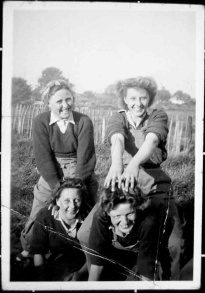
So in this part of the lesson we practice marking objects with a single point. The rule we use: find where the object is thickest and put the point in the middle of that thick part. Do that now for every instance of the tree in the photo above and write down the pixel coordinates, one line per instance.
(36, 94)
(49, 74)
(162, 95)
(182, 96)
(21, 91)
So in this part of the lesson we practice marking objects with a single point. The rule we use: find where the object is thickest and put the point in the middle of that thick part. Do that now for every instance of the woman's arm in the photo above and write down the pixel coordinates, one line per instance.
(38, 260)
(116, 169)
(86, 158)
(43, 152)
(95, 273)
(130, 173)
(39, 267)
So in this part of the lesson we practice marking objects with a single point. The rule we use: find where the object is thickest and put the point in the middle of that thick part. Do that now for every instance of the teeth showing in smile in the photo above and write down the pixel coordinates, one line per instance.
(72, 211)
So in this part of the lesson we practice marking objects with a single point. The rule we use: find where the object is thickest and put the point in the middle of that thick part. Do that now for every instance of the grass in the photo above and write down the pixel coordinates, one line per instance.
(24, 176)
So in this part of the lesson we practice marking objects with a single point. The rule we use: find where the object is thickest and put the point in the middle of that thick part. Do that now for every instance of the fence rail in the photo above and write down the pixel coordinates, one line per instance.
(179, 139)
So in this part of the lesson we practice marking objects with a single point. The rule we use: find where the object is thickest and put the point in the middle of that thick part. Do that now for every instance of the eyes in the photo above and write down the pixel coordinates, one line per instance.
(144, 98)
(67, 100)
(75, 201)
(129, 216)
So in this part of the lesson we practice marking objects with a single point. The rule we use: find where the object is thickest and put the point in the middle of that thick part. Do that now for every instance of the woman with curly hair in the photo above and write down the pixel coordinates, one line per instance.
(54, 243)
(137, 135)
(124, 239)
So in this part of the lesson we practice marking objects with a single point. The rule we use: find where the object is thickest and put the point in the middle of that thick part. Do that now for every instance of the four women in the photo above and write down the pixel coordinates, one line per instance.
(135, 217)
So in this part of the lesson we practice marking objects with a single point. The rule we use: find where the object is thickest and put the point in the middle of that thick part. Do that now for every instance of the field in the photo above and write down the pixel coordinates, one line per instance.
(24, 176)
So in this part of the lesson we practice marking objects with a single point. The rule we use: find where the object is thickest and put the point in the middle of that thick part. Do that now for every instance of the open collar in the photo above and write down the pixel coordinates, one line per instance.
(54, 118)
(73, 229)
(129, 118)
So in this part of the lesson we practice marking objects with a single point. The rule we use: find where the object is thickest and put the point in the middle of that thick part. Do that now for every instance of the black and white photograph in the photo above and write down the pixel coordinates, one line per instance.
(102, 146)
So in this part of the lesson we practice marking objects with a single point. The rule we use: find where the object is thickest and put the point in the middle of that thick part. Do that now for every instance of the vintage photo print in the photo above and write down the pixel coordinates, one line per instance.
(102, 146)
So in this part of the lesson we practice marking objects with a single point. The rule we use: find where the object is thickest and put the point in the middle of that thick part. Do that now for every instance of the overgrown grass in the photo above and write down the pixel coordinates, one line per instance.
(24, 176)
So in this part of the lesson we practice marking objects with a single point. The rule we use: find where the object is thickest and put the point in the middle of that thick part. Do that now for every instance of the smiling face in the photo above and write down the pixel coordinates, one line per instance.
(137, 101)
(123, 218)
(69, 203)
(61, 103)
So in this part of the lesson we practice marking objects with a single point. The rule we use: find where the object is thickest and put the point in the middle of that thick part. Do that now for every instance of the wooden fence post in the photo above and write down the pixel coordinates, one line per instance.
(23, 120)
(103, 130)
(32, 118)
(189, 132)
(169, 137)
(19, 119)
(15, 113)
(175, 134)
(178, 138)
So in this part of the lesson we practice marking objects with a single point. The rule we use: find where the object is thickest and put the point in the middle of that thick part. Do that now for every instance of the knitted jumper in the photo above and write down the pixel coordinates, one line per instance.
(155, 122)
(77, 142)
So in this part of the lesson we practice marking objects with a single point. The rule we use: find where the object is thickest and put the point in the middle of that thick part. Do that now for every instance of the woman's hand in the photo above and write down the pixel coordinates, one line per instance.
(72, 277)
(114, 175)
(130, 175)
(54, 208)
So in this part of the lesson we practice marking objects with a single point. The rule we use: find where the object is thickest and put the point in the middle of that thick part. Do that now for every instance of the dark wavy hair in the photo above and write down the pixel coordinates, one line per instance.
(82, 191)
(146, 83)
(110, 199)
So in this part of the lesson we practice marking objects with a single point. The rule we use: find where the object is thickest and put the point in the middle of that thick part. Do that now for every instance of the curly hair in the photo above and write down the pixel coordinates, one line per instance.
(82, 191)
(52, 87)
(110, 199)
(146, 83)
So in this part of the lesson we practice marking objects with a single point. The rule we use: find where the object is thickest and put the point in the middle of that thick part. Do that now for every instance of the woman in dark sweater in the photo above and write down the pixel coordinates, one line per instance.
(125, 238)
(54, 242)
(63, 142)
(137, 136)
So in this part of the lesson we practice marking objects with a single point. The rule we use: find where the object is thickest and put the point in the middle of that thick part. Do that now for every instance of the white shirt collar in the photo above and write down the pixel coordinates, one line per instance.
(54, 118)
(72, 231)
(129, 118)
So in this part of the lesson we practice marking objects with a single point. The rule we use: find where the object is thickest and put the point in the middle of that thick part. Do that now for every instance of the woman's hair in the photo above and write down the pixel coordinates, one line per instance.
(110, 199)
(73, 183)
(52, 87)
(146, 83)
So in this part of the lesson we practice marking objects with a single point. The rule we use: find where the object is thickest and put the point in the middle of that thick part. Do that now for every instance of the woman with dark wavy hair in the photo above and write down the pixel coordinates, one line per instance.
(125, 238)
(56, 234)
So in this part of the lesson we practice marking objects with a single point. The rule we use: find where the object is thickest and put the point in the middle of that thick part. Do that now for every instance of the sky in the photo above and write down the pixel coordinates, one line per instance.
(94, 46)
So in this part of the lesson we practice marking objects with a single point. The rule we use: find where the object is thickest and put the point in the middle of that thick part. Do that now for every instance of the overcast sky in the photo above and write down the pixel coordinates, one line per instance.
(95, 46)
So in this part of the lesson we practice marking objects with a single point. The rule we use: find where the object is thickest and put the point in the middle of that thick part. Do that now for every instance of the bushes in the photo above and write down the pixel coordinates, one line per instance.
(23, 178)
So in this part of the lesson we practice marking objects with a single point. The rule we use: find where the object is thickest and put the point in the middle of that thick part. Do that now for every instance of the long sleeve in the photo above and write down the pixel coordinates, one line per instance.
(40, 238)
(158, 124)
(99, 241)
(43, 152)
(116, 124)
(86, 158)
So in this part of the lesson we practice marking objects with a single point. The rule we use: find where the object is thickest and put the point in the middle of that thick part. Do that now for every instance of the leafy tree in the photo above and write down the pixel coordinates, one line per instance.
(162, 95)
(49, 74)
(182, 96)
(89, 95)
(36, 94)
(21, 91)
